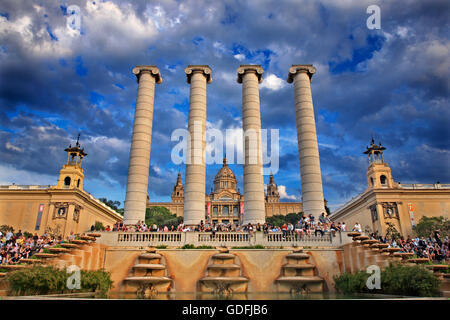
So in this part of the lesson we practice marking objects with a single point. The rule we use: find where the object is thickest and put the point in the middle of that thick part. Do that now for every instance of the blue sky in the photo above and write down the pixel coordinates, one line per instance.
(391, 83)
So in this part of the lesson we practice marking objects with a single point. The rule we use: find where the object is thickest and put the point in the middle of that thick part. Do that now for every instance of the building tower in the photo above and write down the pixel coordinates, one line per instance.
(71, 175)
(272, 191)
(178, 191)
(378, 173)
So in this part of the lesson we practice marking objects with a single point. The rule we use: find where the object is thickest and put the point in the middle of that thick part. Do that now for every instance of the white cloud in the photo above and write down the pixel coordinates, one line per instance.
(239, 56)
(10, 175)
(272, 82)
(283, 193)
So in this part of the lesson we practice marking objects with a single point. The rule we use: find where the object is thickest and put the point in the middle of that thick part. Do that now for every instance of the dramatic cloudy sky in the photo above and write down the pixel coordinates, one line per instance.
(391, 83)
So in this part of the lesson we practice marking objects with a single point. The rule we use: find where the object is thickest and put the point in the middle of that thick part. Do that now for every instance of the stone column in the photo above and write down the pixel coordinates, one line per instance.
(194, 191)
(254, 203)
(311, 178)
(137, 185)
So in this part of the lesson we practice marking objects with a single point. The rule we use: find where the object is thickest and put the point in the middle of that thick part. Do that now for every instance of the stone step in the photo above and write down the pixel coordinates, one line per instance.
(79, 242)
(370, 242)
(31, 261)
(59, 250)
(150, 256)
(69, 245)
(45, 255)
(418, 260)
(150, 279)
(12, 267)
(361, 238)
(152, 266)
(298, 266)
(223, 266)
(301, 279)
(297, 256)
(223, 256)
(87, 238)
(151, 250)
(95, 235)
(354, 234)
(225, 280)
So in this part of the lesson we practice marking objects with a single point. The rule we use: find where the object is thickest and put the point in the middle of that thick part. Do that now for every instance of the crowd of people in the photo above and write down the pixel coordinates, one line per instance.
(306, 225)
(16, 246)
(431, 247)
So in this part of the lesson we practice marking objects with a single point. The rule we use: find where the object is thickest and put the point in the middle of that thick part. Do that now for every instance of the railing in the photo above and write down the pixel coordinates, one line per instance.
(149, 237)
(233, 239)
(419, 186)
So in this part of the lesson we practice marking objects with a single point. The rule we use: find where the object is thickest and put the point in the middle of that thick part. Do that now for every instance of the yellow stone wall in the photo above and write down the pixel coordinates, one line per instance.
(425, 202)
(19, 209)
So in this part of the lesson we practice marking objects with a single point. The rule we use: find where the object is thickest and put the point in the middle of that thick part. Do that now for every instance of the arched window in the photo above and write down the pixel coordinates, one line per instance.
(67, 181)
(383, 179)
(225, 210)
(371, 181)
(78, 183)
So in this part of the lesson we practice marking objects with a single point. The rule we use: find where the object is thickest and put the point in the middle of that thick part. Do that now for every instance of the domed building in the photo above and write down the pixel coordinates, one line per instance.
(225, 203)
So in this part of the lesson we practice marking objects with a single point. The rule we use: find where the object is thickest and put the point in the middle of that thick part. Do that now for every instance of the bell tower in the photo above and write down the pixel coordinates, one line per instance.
(178, 191)
(71, 175)
(378, 173)
(272, 191)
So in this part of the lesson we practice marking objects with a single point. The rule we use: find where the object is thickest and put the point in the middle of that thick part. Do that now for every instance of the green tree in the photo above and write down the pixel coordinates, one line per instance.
(111, 203)
(427, 225)
(279, 220)
(161, 216)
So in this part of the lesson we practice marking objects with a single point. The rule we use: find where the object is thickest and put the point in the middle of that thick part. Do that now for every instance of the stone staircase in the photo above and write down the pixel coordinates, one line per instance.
(223, 275)
(379, 253)
(148, 276)
(76, 252)
(298, 275)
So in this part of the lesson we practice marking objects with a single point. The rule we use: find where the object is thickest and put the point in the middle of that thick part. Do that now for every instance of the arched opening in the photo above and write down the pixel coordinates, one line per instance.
(383, 180)
(371, 181)
(78, 183)
(67, 181)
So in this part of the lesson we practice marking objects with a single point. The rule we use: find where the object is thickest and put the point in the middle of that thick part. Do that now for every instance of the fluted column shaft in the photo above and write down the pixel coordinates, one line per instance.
(311, 178)
(194, 191)
(254, 200)
(138, 169)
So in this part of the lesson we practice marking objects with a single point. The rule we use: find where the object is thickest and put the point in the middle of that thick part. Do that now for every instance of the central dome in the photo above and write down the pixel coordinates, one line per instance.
(225, 178)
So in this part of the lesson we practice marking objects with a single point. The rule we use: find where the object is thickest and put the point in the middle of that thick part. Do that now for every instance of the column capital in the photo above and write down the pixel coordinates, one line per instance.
(152, 70)
(244, 68)
(296, 68)
(206, 70)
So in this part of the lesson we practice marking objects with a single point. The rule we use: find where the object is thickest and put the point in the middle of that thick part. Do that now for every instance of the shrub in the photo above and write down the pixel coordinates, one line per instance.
(191, 246)
(40, 280)
(396, 279)
(98, 226)
(161, 246)
(257, 246)
(5, 229)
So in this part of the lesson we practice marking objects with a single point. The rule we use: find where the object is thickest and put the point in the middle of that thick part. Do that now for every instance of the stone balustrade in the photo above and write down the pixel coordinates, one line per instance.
(229, 239)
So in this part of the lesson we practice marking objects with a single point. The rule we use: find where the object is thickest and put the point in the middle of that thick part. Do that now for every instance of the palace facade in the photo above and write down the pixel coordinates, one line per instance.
(386, 201)
(225, 203)
(59, 209)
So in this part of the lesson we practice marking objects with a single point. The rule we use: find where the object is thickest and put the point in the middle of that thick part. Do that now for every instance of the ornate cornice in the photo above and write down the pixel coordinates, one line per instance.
(296, 68)
(206, 70)
(152, 70)
(244, 68)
